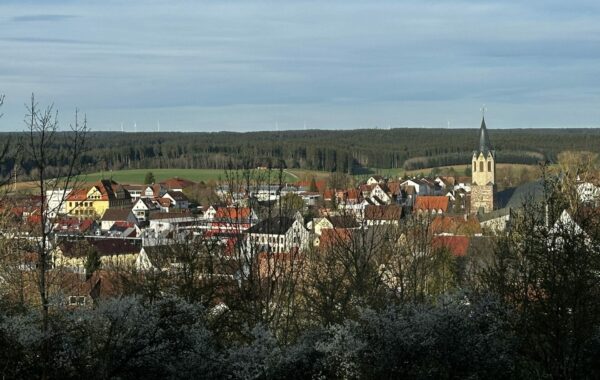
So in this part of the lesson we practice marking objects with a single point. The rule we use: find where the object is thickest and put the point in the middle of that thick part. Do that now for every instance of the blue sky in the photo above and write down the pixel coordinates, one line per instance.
(258, 65)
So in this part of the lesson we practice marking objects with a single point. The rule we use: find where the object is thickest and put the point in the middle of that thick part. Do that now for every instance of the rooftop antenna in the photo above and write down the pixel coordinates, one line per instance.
(483, 109)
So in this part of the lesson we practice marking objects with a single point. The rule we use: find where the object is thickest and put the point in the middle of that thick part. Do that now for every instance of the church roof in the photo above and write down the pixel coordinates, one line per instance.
(484, 139)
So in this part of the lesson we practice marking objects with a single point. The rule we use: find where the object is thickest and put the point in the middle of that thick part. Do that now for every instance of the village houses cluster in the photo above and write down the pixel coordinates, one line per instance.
(127, 224)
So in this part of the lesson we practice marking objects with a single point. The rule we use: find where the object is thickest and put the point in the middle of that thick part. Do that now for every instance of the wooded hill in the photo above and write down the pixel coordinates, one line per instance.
(350, 151)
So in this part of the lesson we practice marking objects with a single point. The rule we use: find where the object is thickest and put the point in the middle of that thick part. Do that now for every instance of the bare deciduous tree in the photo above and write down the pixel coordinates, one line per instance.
(42, 133)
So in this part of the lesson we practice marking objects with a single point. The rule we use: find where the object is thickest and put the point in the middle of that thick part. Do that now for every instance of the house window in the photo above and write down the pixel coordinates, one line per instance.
(76, 300)
(489, 166)
(481, 166)
(474, 166)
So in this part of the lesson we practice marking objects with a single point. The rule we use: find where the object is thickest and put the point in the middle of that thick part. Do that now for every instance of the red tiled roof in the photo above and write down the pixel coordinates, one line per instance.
(456, 225)
(233, 213)
(34, 219)
(394, 187)
(331, 237)
(430, 202)
(353, 194)
(386, 212)
(366, 188)
(165, 202)
(457, 245)
(321, 184)
(73, 224)
(177, 183)
(77, 195)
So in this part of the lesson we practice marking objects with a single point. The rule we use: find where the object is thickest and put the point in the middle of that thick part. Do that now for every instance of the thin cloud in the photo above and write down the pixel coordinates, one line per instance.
(45, 40)
(42, 17)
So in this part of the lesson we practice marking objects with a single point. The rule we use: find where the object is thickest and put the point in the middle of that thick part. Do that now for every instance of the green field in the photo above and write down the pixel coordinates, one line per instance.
(137, 176)
(459, 170)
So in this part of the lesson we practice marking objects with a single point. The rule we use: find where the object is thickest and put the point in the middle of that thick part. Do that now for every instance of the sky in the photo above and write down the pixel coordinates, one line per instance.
(267, 65)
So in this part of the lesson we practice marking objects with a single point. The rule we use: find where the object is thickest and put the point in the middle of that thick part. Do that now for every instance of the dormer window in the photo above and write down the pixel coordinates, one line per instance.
(489, 166)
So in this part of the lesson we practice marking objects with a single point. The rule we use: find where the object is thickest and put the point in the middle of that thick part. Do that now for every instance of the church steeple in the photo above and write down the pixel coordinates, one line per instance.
(484, 139)
(483, 177)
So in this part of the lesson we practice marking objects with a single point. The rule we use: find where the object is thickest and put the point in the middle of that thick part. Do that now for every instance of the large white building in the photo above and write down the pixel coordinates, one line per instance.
(56, 202)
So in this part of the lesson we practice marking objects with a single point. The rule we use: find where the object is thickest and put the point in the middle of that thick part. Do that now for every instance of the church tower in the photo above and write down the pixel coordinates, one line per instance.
(483, 173)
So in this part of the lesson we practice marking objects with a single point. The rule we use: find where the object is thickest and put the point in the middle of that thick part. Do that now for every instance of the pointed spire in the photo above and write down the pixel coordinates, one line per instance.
(484, 139)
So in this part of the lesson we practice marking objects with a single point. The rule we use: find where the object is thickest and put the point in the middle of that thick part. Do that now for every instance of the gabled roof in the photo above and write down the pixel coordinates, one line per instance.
(329, 194)
(455, 225)
(147, 202)
(366, 187)
(177, 195)
(77, 195)
(394, 187)
(104, 247)
(73, 225)
(233, 213)
(107, 247)
(430, 202)
(273, 226)
(353, 194)
(130, 187)
(321, 184)
(457, 245)
(385, 212)
(164, 202)
(115, 214)
(156, 189)
(177, 183)
(331, 237)
(343, 221)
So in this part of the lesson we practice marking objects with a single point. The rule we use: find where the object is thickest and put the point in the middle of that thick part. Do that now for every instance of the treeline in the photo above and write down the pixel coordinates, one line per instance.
(327, 150)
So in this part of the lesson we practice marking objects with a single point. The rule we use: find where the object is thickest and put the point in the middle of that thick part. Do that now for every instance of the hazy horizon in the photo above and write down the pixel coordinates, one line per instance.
(264, 65)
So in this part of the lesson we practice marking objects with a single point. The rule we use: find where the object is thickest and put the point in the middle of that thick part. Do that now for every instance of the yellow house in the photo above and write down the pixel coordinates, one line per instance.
(93, 202)
(113, 253)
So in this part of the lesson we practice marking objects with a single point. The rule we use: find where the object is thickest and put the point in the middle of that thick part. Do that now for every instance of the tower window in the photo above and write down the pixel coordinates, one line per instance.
(489, 166)
(474, 166)
(480, 166)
